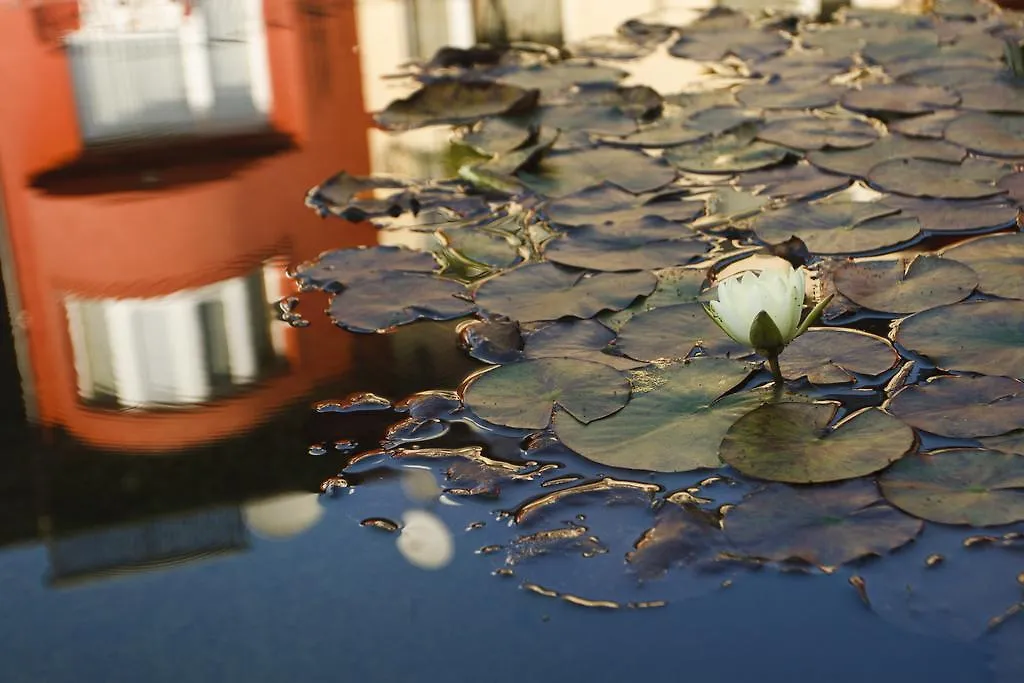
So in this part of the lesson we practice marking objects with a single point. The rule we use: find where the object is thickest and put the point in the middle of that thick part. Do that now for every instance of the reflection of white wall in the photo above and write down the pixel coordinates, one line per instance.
(284, 515)
(188, 347)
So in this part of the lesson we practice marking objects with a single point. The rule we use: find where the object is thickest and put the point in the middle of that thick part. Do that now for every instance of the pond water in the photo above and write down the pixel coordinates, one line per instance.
(172, 502)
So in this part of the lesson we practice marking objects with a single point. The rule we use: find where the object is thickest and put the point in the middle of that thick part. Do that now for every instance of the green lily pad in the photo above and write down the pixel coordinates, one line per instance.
(721, 119)
(334, 268)
(582, 339)
(396, 298)
(823, 526)
(834, 355)
(676, 285)
(673, 332)
(959, 486)
(955, 215)
(563, 173)
(599, 120)
(796, 443)
(735, 151)
(975, 336)
(931, 125)
(673, 422)
(589, 247)
(997, 259)
(789, 95)
(606, 203)
(522, 395)
(998, 97)
(899, 99)
(970, 179)
(454, 101)
(808, 131)
(799, 181)
(895, 286)
(962, 407)
(858, 162)
(544, 291)
(998, 135)
(837, 228)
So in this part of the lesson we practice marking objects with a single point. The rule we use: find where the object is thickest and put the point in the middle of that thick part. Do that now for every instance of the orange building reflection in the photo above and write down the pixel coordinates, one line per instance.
(153, 167)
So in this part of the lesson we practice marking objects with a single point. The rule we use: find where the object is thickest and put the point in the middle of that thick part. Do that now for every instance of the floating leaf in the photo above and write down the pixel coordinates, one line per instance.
(544, 291)
(563, 173)
(455, 102)
(962, 407)
(582, 339)
(833, 355)
(397, 298)
(998, 260)
(1012, 442)
(791, 95)
(807, 131)
(682, 535)
(608, 204)
(927, 126)
(333, 268)
(837, 228)
(747, 44)
(726, 206)
(721, 119)
(674, 332)
(823, 526)
(956, 215)
(999, 97)
(499, 135)
(899, 99)
(588, 247)
(599, 120)
(802, 66)
(959, 486)
(735, 151)
(795, 182)
(796, 443)
(522, 395)
(993, 134)
(858, 162)
(971, 179)
(563, 76)
(894, 286)
(976, 336)
(676, 285)
(673, 422)
(1014, 186)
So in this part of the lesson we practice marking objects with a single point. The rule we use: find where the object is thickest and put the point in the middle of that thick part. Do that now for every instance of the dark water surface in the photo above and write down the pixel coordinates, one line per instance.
(160, 508)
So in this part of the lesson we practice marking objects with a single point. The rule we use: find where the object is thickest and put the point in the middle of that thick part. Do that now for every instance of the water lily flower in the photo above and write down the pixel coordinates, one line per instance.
(763, 310)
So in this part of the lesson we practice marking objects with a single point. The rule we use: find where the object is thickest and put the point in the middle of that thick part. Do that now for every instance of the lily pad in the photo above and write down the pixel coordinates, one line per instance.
(606, 203)
(748, 44)
(926, 126)
(397, 298)
(834, 355)
(682, 535)
(582, 339)
(721, 119)
(858, 162)
(823, 526)
(676, 285)
(837, 228)
(895, 286)
(544, 291)
(796, 443)
(1013, 442)
(563, 76)
(900, 99)
(975, 336)
(595, 119)
(998, 135)
(732, 152)
(799, 181)
(522, 395)
(970, 179)
(959, 486)
(673, 422)
(955, 215)
(962, 407)
(456, 101)
(808, 131)
(500, 135)
(674, 332)
(588, 247)
(726, 205)
(789, 95)
(334, 268)
(997, 259)
(803, 66)
(563, 173)
(998, 97)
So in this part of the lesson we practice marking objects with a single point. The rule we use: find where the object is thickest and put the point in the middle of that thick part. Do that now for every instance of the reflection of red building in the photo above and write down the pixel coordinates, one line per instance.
(149, 218)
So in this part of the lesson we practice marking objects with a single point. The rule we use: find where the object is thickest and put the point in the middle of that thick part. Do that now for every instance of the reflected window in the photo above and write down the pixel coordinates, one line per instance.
(155, 67)
(189, 347)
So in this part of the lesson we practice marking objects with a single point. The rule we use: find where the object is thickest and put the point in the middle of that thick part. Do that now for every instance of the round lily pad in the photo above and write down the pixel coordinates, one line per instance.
(1013, 442)
(807, 131)
(895, 286)
(397, 298)
(795, 182)
(976, 336)
(562, 173)
(672, 423)
(1014, 186)
(955, 215)
(998, 135)
(521, 395)
(959, 486)
(833, 355)
(795, 443)
(582, 339)
(731, 152)
(823, 526)
(931, 125)
(674, 332)
(544, 291)
(999, 97)
(970, 179)
(789, 95)
(552, 79)
(456, 101)
(997, 259)
(962, 407)
(899, 99)
(345, 265)
(837, 228)
(589, 248)
(606, 203)
(748, 44)
(858, 162)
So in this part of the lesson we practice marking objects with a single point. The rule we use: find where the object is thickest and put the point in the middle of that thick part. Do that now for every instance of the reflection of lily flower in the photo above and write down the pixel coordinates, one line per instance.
(762, 310)
(425, 540)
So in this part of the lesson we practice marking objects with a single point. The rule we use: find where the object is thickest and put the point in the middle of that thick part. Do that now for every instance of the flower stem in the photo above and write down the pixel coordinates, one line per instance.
(773, 363)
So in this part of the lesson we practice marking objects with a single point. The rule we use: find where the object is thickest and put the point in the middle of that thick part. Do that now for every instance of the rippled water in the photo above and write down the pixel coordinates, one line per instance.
(161, 514)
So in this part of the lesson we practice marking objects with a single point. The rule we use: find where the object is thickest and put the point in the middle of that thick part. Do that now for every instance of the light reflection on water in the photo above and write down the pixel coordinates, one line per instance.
(177, 409)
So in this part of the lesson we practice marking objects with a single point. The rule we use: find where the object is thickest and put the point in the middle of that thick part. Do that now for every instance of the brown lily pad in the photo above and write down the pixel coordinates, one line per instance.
(962, 407)
(834, 355)
(808, 131)
(455, 101)
(859, 162)
(998, 135)
(895, 286)
(899, 99)
(837, 228)
(970, 179)
(997, 259)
